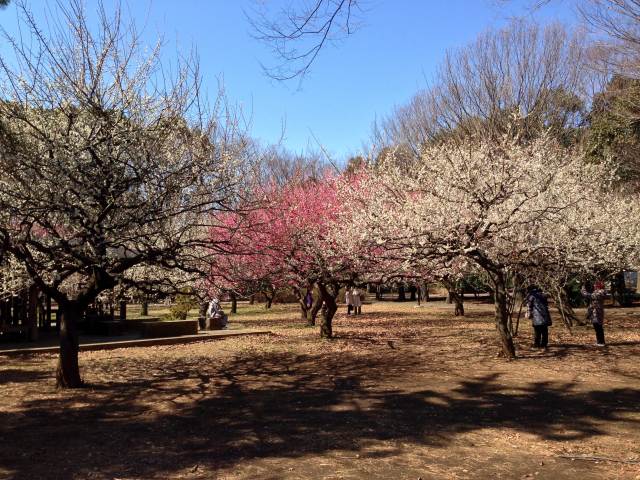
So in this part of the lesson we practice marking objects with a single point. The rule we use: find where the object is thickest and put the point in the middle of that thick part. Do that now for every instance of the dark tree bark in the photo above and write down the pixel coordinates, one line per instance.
(563, 305)
(412, 293)
(315, 308)
(300, 295)
(304, 312)
(202, 315)
(68, 371)
(455, 296)
(458, 301)
(501, 302)
(401, 293)
(269, 295)
(252, 299)
(234, 302)
(329, 294)
(144, 310)
(423, 293)
(123, 310)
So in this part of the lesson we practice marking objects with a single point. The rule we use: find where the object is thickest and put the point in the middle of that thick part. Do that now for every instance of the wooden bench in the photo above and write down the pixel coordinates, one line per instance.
(172, 328)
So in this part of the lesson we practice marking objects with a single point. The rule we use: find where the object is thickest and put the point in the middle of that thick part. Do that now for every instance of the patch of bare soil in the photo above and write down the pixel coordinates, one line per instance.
(400, 393)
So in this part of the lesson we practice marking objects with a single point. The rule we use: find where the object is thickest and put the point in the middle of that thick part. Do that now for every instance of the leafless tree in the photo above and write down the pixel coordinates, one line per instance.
(615, 25)
(282, 166)
(300, 30)
(535, 73)
(109, 163)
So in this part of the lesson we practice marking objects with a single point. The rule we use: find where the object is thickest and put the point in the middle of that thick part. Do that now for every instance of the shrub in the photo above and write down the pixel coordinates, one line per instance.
(184, 302)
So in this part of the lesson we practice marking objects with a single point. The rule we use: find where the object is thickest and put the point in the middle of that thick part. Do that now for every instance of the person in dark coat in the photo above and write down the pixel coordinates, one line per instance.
(594, 295)
(538, 312)
(308, 299)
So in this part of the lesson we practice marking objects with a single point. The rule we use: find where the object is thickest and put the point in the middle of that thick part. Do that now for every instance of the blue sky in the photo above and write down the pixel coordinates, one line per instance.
(389, 58)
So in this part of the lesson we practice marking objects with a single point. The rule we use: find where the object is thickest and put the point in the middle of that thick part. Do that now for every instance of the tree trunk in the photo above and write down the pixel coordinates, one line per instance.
(68, 371)
(458, 300)
(401, 294)
(304, 311)
(123, 310)
(252, 299)
(422, 293)
(378, 292)
(329, 309)
(234, 302)
(565, 310)
(454, 295)
(412, 293)
(144, 310)
(315, 308)
(269, 296)
(502, 316)
(202, 315)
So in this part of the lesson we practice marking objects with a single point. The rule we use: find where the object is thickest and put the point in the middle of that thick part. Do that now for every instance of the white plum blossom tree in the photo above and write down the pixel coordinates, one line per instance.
(508, 206)
(107, 162)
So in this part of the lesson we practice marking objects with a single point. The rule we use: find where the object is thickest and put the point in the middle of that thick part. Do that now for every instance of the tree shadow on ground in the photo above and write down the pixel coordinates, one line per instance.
(613, 350)
(284, 322)
(15, 375)
(180, 413)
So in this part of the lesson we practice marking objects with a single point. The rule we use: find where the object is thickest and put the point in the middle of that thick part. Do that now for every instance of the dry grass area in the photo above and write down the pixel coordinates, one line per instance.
(401, 393)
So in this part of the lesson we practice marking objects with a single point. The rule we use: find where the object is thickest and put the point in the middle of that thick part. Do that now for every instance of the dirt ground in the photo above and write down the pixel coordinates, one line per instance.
(401, 393)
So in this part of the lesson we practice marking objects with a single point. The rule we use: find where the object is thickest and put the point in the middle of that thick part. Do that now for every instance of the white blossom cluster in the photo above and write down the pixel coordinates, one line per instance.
(13, 277)
(534, 208)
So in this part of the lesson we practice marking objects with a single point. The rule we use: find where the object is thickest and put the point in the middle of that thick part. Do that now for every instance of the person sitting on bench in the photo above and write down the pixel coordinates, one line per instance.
(217, 318)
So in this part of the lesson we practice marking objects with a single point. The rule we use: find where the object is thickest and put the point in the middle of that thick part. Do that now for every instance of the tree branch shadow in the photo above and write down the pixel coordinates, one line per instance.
(190, 411)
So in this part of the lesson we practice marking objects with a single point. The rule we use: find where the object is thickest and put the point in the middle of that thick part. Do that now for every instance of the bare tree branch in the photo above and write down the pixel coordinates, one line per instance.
(297, 34)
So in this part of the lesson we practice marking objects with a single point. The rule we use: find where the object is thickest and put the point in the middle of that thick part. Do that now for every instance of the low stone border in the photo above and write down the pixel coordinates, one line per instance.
(142, 342)
(173, 328)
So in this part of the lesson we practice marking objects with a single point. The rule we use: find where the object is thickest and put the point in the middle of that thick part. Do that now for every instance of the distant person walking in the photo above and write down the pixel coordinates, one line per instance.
(594, 295)
(348, 299)
(538, 312)
(357, 301)
(308, 299)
